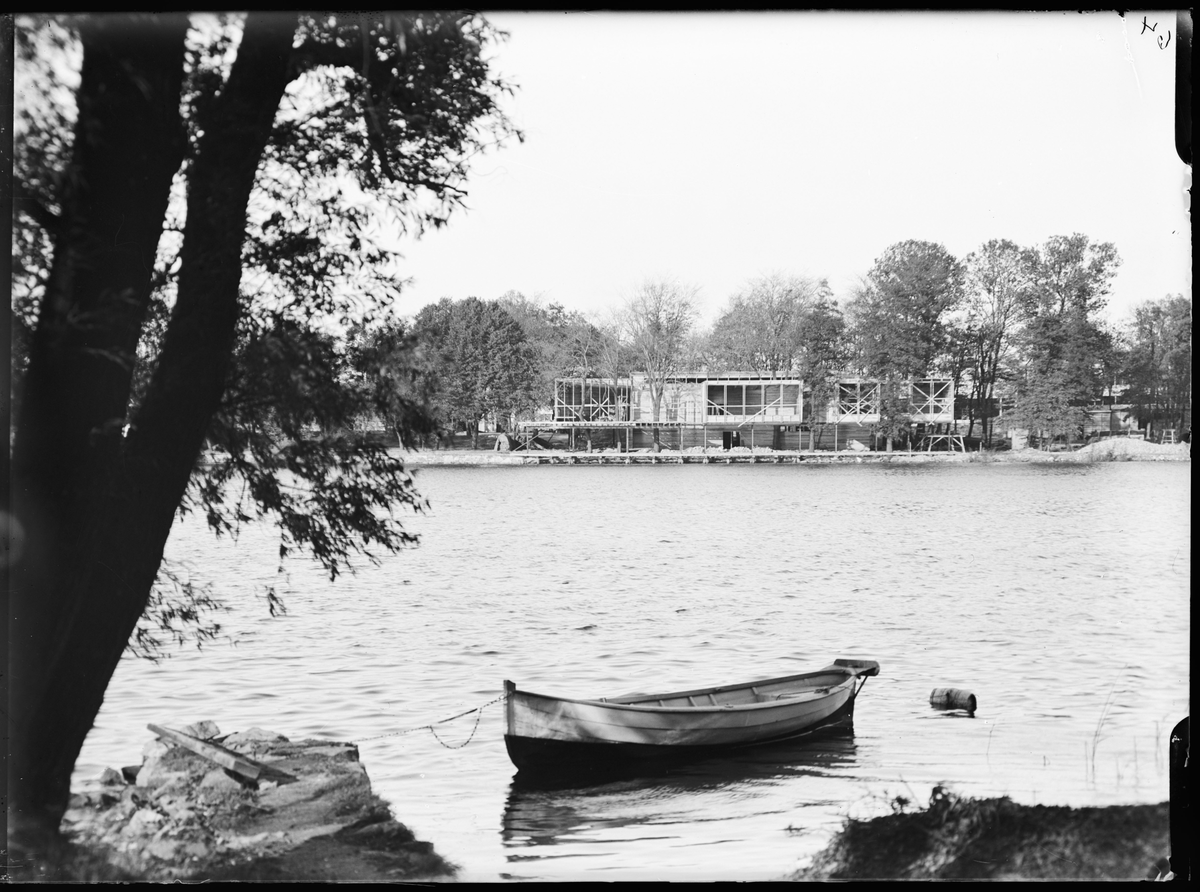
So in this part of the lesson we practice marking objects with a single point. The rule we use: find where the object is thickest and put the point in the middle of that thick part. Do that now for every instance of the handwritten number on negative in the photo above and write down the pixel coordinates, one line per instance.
(1162, 44)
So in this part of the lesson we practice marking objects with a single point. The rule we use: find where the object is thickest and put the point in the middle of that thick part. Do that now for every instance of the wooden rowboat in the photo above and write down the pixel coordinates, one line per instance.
(554, 734)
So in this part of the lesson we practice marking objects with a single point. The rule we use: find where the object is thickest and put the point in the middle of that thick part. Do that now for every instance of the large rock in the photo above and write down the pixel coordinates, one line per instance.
(253, 742)
(313, 817)
(168, 764)
(204, 730)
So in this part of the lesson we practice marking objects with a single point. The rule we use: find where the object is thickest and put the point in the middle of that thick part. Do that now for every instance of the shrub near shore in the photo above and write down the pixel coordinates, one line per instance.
(997, 839)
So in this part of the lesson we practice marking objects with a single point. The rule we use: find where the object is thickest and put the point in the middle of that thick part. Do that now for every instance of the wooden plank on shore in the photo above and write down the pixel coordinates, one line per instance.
(228, 759)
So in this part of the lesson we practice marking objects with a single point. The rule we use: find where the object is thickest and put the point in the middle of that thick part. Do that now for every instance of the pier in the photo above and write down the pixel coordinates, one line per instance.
(714, 458)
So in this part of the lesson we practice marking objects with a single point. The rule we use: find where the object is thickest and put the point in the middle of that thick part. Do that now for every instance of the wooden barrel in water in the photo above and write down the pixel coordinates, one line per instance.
(952, 698)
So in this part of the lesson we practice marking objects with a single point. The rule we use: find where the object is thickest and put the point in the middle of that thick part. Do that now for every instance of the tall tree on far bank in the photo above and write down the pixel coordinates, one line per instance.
(1064, 335)
(563, 342)
(762, 328)
(783, 325)
(583, 348)
(823, 354)
(1157, 363)
(1064, 341)
(483, 364)
(899, 322)
(899, 315)
(997, 282)
(655, 323)
(114, 407)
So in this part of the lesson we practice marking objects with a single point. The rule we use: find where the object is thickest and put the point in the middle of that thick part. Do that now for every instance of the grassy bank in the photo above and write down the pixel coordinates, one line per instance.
(997, 839)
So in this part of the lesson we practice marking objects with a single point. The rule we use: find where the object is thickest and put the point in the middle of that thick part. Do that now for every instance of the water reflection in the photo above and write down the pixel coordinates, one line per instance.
(646, 806)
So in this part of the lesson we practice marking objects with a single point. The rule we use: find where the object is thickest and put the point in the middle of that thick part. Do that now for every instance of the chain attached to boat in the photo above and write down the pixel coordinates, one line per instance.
(478, 710)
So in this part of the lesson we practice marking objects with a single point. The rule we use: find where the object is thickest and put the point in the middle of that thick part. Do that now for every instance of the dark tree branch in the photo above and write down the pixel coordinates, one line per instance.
(189, 379)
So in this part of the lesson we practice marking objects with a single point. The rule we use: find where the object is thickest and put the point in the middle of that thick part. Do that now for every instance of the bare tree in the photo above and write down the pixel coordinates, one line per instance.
(656, 322)
(998, 278)
(763, 326)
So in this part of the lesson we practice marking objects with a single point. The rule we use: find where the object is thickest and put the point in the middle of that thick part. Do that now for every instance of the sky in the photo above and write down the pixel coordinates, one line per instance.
(714, 148)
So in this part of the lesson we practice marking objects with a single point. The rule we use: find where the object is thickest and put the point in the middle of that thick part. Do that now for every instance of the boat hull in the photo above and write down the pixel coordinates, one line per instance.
(552, 734)
(535, 755)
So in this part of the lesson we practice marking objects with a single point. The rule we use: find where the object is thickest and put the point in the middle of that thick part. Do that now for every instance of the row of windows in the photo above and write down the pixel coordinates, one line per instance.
(571, 394)
(924, 397)
(754, 399)
(597, 401)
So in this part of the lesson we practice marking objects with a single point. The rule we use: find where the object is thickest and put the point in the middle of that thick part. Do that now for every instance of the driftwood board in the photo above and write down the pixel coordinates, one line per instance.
(228, 759)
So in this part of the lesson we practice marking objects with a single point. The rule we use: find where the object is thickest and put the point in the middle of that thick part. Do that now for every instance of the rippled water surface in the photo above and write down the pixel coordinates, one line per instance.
(1058, 594)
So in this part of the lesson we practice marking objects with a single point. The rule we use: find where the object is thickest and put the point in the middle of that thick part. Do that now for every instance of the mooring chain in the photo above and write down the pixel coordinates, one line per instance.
(478, 710)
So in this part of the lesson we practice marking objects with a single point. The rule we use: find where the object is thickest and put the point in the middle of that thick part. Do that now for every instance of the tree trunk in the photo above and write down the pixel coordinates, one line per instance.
(97, 506)
(655, 404)
(128, 144)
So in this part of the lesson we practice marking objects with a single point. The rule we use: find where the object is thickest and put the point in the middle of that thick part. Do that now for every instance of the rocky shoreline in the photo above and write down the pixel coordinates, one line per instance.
(180, 816)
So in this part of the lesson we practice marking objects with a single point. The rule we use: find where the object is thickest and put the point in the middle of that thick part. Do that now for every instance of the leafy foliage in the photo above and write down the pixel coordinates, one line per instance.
(895, 411)
(396, 373)
(1063, 338)
(1044, 406)
(765, 327)
(286, 431)
(403, 122)
(227, 202)
(1157, 364)
(43, 115)
(900, 313)
(484, 364)
(563, 343)
(180, 610)
(997, 283)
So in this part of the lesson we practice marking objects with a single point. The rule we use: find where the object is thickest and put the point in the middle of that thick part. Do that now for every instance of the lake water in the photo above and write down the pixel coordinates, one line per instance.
(1057, 593)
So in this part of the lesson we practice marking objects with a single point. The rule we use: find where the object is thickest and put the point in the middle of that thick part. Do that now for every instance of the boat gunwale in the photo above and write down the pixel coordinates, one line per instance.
(616, 703)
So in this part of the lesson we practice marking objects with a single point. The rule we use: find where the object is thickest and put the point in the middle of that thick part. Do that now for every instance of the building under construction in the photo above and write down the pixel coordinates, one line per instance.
(730, 411)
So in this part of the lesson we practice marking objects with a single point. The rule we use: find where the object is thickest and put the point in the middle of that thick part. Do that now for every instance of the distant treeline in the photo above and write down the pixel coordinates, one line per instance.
(1022, 324)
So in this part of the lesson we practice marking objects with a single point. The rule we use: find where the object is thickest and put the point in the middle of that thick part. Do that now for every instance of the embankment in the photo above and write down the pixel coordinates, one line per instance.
(996, 839)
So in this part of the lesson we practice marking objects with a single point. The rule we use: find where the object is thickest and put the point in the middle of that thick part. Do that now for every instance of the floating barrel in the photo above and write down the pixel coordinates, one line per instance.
(952, 698)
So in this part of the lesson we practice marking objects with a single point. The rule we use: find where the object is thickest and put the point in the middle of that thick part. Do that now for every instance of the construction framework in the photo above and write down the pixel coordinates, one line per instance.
(739, 407)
